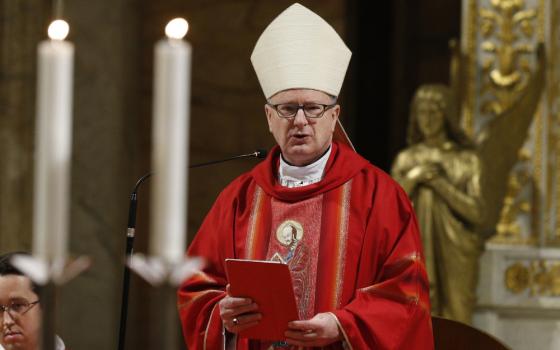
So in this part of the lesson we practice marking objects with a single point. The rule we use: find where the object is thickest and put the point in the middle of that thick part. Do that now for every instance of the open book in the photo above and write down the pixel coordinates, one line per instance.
(269, 284)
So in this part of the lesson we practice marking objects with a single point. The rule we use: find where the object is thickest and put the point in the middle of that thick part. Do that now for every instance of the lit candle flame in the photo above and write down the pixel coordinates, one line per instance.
(58, 30)
(177, 28)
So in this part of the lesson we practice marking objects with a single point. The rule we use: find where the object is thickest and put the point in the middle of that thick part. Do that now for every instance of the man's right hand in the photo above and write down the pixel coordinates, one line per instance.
(238, 314)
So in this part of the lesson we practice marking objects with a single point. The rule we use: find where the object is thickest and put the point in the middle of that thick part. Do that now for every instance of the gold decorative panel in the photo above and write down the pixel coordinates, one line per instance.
(506, 72)
(508, 229)
(537, 277)
(517, 278)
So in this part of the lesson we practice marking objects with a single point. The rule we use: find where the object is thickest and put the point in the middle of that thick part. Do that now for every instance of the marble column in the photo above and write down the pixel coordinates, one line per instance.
(21, 25)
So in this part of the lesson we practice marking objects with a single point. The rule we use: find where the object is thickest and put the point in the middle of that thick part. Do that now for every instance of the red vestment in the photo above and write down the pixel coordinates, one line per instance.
(352, 244)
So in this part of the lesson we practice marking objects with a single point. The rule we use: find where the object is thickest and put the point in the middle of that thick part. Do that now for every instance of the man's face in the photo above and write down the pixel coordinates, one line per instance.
(302, 140)
(19, 331)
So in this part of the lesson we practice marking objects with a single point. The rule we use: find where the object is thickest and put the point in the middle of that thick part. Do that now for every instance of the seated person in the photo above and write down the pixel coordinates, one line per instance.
(20, 309)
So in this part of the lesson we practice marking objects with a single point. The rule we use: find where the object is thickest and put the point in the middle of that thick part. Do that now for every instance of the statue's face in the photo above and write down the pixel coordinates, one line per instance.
(430, 118)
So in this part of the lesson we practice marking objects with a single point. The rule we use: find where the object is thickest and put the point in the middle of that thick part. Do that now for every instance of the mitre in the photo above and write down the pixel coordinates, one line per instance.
(300, 50)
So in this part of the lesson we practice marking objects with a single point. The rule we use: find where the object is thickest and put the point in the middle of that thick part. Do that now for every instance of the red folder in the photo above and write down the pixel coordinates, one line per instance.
(269, 284)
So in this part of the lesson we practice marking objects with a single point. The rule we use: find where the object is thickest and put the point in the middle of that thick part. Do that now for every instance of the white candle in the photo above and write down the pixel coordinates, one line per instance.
(172, 64)
(53, 144)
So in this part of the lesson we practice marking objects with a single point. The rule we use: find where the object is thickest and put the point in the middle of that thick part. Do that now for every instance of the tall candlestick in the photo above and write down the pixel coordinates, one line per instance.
(170, 143)
(53, 144)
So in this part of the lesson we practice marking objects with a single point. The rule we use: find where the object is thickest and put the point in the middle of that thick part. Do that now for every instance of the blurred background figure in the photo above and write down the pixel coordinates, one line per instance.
(20, 309)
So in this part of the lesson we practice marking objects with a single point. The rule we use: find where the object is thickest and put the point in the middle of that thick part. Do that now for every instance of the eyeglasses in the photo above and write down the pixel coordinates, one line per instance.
(16, 309)
(310, 110)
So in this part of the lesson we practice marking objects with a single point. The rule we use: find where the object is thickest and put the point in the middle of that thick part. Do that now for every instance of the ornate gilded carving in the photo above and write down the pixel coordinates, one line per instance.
(508, 229)
(507, 71)
(517, 278)
(507, 27)
(555, 283)
(541, 278)
(538, 277)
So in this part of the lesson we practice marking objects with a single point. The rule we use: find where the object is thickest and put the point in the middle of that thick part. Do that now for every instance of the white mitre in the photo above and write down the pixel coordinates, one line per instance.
(299, 50)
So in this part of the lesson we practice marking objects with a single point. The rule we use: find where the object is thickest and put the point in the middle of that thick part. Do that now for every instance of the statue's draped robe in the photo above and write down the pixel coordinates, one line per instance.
(360, 255)
(447, 225)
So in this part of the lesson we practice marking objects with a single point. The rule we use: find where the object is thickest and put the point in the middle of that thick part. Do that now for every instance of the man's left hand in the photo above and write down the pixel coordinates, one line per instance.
(321, 330)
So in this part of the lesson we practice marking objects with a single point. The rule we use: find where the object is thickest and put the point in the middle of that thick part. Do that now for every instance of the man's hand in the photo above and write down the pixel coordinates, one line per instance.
(238, 313)
(321, 330)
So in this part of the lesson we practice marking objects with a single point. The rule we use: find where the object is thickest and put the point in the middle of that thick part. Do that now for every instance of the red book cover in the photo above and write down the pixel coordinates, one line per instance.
(269, 284)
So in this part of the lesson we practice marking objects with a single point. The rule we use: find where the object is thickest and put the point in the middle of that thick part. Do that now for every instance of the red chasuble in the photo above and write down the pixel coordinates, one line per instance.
(351, 242)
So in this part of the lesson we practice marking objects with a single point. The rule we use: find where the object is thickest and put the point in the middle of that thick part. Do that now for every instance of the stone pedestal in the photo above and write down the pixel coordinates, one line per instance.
(519, 296)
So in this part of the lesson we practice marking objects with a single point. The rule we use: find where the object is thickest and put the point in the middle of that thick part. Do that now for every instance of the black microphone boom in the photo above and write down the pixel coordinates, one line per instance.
(131, 230)
(260, 153)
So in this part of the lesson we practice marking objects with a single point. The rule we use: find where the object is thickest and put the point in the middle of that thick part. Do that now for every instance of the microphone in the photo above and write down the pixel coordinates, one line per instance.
(131, 230)
(260, 154)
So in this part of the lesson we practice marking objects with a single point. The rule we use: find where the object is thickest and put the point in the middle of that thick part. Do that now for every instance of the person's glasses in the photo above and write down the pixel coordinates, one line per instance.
(310, 110)
(17, 308)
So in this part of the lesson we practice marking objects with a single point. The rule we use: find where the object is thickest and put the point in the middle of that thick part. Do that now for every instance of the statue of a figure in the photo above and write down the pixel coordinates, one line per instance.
(458, 187)
(441, 173)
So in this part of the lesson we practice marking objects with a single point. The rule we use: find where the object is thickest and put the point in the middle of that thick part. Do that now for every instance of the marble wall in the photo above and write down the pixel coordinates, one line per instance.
(20, 26)
(104, 154)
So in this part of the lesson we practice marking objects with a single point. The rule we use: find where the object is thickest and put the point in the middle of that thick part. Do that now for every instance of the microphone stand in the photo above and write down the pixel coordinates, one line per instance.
(131, 232)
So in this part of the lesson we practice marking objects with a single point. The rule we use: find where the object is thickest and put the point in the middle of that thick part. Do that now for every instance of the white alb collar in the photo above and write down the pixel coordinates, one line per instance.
(297, 176)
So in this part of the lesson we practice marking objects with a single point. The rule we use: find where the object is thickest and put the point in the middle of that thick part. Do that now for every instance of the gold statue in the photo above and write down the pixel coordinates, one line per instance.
(441, 172)
(456, 205)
